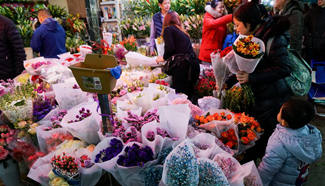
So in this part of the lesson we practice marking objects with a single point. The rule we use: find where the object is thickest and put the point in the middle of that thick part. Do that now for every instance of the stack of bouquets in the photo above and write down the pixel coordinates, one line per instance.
(17, 105)
(239, 99)
(25, 151)
(206, 83)
(35, 65)
(68, 59)
(183, 168)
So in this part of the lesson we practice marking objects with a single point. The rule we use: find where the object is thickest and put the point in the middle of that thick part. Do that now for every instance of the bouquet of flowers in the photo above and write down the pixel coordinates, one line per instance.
(130, 44)
(41, 108)
(210, 173)
(135, 156)
(239, 99)
(193, 25)
(249, 51)
(249, 130)
(206, 83)
(82, 121)
(160, 46)
(66, 166)
(220, 70)
(7, 136)
(181, 158)
(229, 165)
(115, 147)
(26, 126)
(17, 105)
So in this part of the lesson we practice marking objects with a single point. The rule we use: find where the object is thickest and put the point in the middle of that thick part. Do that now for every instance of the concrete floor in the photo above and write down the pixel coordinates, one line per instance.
(317, 170)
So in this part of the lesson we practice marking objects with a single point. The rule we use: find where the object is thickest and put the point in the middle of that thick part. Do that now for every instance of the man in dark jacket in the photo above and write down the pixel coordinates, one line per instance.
(315, 32)
(12, 53)
(49, 38)
(294, 10)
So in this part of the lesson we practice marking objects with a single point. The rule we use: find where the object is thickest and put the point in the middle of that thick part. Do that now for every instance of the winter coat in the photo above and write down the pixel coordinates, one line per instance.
(315, 34)
(267, 81)
(49, 39)
(229, 40)
(12, 53)
(294, 11)
(186, 73)
(213, 34)
(288, 155)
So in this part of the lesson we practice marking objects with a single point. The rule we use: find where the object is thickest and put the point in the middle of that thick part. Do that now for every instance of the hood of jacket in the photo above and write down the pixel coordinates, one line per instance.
(51, 24)
(213, 12)
(304, 143)
(273, 26)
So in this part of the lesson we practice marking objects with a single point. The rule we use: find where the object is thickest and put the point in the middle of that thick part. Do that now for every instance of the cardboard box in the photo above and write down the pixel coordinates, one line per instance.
(94, 75)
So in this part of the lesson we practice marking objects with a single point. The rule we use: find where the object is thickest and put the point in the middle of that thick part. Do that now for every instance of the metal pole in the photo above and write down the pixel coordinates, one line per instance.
(93, 20)
(106, 112)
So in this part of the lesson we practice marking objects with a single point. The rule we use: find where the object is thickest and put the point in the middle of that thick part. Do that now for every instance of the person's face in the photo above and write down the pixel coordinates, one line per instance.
(241, 28)
(279, 4)
(220, 8)
(321, 3)
(165, 6)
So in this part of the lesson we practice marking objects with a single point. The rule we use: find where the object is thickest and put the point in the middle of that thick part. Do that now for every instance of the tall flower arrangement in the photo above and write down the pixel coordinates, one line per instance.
(139, 27)
(193, 25)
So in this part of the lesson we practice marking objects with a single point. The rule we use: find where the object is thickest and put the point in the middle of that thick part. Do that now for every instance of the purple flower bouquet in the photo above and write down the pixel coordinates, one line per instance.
(106, 153)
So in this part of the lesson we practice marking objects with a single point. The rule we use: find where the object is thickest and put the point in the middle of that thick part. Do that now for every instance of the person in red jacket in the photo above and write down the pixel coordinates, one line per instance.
(214, 29)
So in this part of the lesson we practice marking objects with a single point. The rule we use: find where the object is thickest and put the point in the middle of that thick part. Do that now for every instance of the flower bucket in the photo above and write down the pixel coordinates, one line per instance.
(9, 173)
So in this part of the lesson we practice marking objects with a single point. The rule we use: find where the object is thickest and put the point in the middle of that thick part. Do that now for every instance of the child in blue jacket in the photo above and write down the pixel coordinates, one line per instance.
(293, 146)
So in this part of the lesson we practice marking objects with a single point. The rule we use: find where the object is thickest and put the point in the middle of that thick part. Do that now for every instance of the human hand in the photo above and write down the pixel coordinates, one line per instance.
(152, 53)
(160, 59)
(242, 77)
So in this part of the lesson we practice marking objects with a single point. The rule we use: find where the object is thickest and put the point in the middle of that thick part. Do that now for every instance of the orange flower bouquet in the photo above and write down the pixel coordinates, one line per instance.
(130, 43)
(214, 117)
(249, 130)
(249, 50)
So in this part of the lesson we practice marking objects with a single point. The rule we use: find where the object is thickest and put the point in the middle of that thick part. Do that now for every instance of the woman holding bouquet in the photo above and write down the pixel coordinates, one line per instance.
(267, 80)
(214, 29)
(179, 52)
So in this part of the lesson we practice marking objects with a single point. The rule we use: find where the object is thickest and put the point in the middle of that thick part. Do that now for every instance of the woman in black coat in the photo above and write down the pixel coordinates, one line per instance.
(267, 81)
(12, 53)
(178, 47)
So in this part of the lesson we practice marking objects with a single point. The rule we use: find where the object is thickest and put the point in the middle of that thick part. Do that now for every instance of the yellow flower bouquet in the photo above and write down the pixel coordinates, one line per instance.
(249, 50)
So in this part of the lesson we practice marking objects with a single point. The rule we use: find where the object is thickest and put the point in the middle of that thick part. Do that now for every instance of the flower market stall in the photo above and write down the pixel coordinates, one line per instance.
(157, 136)
(56, 130)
